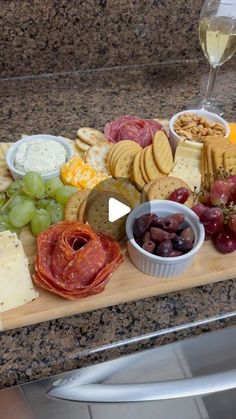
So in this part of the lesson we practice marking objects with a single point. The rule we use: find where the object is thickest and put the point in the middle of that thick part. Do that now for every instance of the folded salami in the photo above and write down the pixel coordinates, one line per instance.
(129, 127)
(73, 261)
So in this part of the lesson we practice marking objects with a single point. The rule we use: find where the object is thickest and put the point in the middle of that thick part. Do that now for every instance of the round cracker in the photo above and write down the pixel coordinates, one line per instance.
(81, 211)
(81, 145)
(97, 215)
(96, 156)
(162, 152)
(5, 179)
(73, 205)
(90, 136)
(162, 188)
(142, 166)
(151, 168)
(118, 153)
(144, 194)
(137, 174)
(123, 166)
(119, 149)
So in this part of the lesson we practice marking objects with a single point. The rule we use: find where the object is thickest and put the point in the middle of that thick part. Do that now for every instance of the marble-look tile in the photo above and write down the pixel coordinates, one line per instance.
(54, 36)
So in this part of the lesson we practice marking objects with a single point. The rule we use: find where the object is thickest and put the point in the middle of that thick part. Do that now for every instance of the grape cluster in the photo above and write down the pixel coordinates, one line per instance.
(30, 200)
(164, 236)
(217, 211)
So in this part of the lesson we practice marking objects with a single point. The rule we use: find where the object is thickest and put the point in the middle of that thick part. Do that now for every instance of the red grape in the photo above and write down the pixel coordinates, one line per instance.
(233, 194)
(225, 241)
(220, 192)
(213, 227)
(232, 223)
(205, 198)
(231, 180)
(211, 214)
(180, 195)
(199, 209)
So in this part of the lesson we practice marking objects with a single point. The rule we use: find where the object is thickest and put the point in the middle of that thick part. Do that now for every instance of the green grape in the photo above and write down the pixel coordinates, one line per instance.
(15, 187)
(2, 199)
(44, 202)
(17, 199)
(52, 185)
(21, 213)
(40, 221)
(63, 193)
(4, 225)
(4, 217)
(33, 185)
(56, 212)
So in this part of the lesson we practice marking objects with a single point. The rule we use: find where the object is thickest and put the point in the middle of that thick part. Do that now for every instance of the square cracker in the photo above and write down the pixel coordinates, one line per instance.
(229, 160)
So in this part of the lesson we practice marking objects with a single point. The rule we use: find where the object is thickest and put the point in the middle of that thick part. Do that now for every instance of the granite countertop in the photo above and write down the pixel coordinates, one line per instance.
(59, 104)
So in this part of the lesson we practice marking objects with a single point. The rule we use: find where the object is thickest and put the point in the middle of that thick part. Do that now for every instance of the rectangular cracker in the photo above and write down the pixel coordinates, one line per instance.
(217, 158)
(229, 160)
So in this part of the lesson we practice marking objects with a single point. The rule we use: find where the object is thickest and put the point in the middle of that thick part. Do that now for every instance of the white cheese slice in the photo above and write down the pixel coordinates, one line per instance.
(14, 248)
(193, 156)
(184, 170)
(16, 287)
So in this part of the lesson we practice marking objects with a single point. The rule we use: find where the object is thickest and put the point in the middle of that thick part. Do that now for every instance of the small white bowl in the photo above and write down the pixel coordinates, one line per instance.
(156, 265)
(10, 157)
(212, 117)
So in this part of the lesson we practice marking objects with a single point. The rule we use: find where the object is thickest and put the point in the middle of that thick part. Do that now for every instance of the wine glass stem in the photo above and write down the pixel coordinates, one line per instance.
(211, 83)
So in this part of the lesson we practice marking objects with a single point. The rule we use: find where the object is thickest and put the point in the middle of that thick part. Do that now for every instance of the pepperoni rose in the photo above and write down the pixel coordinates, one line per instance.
(132, 128)
(73, 261)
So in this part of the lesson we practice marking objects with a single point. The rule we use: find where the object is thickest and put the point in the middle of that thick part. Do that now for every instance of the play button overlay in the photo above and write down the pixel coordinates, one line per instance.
(116, 209)
(109, 203)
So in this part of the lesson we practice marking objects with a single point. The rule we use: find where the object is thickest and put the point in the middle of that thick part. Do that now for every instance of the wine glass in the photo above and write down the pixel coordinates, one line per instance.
(217, 33)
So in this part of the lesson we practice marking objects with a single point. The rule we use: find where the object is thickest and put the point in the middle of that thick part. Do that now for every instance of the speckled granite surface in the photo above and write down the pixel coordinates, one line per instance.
(59, 105)
(52, 36)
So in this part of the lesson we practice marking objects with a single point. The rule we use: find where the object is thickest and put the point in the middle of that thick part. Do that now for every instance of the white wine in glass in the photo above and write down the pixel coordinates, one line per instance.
(217, 33)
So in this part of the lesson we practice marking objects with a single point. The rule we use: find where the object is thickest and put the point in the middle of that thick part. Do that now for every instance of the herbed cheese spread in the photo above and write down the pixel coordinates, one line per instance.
(42, 156)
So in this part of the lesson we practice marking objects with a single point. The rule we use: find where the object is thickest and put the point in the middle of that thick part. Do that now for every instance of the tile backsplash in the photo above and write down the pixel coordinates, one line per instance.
(48, 36)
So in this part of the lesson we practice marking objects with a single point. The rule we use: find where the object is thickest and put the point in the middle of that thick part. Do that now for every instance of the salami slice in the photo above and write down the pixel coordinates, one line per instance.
(129, 127)
(73, 261)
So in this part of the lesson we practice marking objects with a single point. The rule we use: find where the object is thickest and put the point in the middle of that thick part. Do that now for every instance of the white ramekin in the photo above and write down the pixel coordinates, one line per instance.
(174, 138)
(156, 265)
(10, 157)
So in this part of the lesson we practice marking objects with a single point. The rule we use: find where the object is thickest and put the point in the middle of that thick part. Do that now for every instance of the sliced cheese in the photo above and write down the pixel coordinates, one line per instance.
(11, 249)
(16, 287)
(194, 156)
(184, 170)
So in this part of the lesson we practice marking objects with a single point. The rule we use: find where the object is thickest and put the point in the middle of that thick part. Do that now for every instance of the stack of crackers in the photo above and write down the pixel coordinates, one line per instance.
(154, 161)
(218, 157)
(129, 160)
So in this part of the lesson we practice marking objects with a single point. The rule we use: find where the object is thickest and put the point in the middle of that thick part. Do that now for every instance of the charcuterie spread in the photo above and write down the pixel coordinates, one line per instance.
(191, 162)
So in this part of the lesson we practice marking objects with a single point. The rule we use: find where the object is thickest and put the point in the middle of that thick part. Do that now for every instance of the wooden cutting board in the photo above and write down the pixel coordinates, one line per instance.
(126, 284)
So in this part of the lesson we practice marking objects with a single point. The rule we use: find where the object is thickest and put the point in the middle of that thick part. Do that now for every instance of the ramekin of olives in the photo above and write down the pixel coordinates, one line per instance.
(163, 237)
